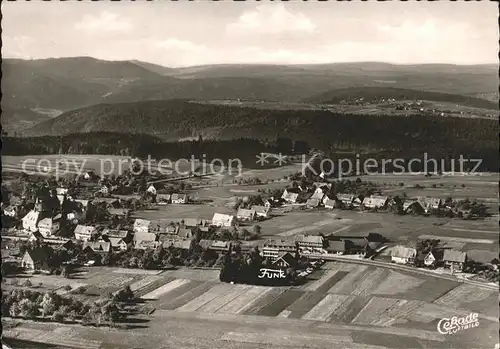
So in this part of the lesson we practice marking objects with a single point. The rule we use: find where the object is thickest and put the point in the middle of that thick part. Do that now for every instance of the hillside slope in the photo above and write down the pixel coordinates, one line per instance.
(373, 93)
(176, 119)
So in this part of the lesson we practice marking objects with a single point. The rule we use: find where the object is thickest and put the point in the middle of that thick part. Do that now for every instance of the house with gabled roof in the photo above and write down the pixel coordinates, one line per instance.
(285, 260)
(273, 247)
(403, 255)
(142, 226)
(183, 244)
(116, 233)
(261, 211)
(11, 211)
(375, 202)
(309, 241)
(454, 259)
(223, 220)
(412, 207)
(290, 195)
(36, 259)
(185, 233)
(163, 199)
(329, 203)
(220, 246)
(244, 214)
(118, 243)
(346, 199)
(85, 232)
(151, 189)
(312, 203)
(319, 193)
(179, 198)
(429, 203)
(48, 227)
(100, 247)
(30, 221)
(336, 247)
(205, 243)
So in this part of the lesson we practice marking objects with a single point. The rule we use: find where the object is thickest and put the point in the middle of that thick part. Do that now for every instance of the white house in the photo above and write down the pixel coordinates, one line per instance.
(375, 202)
(312, 203)
(346, 199)
(48, 227)
(223, 220)
(89, 175)
(429, 204)
(179, 198)
(290, 196)
(163, 199)
(118, 243)
(429, 259)
(85, 232)
(309, 241)
(403, 255)
(329, 203)
(30, 221)
(245, 214)
(151, 189)
(104, 190)
(61, 191)
(10, 211)
(318, 194)
(455, 260)
(261, 211)
(142, 226)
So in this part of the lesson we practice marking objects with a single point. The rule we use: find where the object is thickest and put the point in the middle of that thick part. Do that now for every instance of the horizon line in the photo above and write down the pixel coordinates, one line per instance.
(251, 63)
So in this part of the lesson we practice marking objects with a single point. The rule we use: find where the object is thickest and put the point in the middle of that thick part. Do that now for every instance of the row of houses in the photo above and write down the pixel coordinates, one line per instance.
(449, 258)
(343, 200)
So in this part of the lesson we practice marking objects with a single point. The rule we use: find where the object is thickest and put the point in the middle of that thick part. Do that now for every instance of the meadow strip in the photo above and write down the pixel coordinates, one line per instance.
(325, 307)
(371, 312)
(346, 284)
(296, 340)
(188, 295)
(324, 278)
(165, 288)
(397, 283)
(464, 294)
(216, 291)
(219, 302)
(240, 303)
(305, 303)
(262, 301)
(279, 304)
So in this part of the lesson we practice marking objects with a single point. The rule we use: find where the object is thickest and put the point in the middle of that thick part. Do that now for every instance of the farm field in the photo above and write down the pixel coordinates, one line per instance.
(347, 306)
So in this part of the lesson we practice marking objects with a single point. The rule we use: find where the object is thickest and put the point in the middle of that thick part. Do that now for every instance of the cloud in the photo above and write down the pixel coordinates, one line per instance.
(429, 31)
(17, 46)
(182, 45)
(105, 22)
(271, 19)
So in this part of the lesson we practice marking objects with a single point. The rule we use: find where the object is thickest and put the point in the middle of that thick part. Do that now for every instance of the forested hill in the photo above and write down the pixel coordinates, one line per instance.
(370, 93)
(177, 119)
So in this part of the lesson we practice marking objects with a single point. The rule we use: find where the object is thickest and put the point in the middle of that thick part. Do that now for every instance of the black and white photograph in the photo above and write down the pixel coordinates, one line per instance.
(250, 174)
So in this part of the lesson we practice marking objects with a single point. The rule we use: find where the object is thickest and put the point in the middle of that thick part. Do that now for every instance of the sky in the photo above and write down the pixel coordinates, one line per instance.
(178, 34)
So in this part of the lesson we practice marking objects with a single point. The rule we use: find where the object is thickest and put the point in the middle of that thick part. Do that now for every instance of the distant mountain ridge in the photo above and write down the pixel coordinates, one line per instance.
(75, 82)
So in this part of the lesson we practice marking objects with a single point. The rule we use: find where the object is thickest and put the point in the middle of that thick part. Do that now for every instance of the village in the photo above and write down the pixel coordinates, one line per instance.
(88, 221)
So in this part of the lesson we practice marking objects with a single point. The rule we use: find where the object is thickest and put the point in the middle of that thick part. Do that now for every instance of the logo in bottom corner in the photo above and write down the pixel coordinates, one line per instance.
(456, 324)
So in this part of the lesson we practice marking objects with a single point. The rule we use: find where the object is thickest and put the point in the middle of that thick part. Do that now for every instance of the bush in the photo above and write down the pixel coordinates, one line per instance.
(58, 316)
(27, 283)
(80, 290)
(67, 288)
